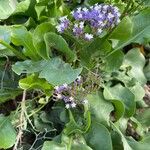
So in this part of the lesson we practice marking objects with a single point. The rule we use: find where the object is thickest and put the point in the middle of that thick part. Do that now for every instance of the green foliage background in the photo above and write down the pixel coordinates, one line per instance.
(34, 58)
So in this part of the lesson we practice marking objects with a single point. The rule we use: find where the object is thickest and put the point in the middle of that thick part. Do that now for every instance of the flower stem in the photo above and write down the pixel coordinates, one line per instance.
(16, 52)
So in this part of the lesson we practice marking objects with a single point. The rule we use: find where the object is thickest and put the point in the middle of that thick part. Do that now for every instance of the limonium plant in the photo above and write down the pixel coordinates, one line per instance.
(75, 74)
(99, 18)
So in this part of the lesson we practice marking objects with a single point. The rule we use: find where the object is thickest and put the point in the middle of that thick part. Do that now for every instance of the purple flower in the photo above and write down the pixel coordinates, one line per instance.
(78, 28)
(64, 24)
(99, 17)
(88, 36)
(60, 89)
(78, 81)
(81, 13)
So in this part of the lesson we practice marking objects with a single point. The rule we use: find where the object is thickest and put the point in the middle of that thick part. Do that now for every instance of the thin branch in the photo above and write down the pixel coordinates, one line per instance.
(22, 121)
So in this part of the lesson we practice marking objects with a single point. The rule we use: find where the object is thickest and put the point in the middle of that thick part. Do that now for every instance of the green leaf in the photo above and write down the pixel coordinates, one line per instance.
(21, 37)
(58, 72)
(42, 123)
(141, 145)
(76, 142)
(28, 66)
(136, 60)
(118, 92)
(98, 47)
(49, 70)
(7, 94)
(141, 29)
(73, 127)
(116, 141)
(56, 41)
(139, 93)
(123, 139)
(118, 104)
(79, 143)
(123, 31)
(146, 2)
(7, 133)
(5, 33)
(26, 8)
(33, 82)
(98, 137)
(144, 117)
(113, 61)
(147, 71)
(51, 145)
(99, 107)
(7, 7)
(38, 40)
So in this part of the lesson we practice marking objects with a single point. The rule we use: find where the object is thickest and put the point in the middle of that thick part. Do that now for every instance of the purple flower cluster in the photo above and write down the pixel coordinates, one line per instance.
(99, 17)
(70, 93)
(59, 94)
(64, 92)
(64, 24)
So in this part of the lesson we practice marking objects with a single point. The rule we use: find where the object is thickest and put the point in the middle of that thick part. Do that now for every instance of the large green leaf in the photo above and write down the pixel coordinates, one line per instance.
(141, 29)
(26, 8)
(5, 36)
(99, 107)
(7, 133)
(7, 7)
(5, 33)
(118, 104)
(55, 71)
(141, 145)
(98, 47)
(113, 61)
(136, 60)
(38, 39)
(98, 137)
(126, 145)
(76, 142)
(123, 31)
(33, 82)
(58, 42)
(28, 66)
(144, 117)
(123, 94)
(139, 93)
(21, 37)
(58, 72)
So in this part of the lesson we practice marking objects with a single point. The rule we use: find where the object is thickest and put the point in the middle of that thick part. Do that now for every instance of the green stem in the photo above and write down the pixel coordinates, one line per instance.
(126, 9)
(70, 143)
(16, 52)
